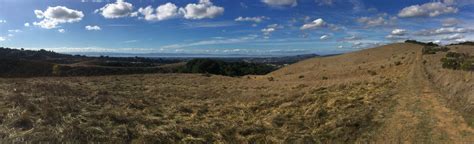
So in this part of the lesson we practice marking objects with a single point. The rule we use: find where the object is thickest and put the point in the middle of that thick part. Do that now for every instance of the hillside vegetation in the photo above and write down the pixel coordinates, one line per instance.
(218, 67)
(388, 94)
(29, 63)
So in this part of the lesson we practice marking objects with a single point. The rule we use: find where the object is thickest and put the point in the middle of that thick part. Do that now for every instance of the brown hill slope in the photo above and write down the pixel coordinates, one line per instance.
(381, 94)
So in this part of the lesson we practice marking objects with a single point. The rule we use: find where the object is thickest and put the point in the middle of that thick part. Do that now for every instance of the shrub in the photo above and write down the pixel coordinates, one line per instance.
(398, 63)
(434, 49)
(458, 61)
(324, 78)
(468, 65)
(421, 43)
(372, 72)
(270, 79)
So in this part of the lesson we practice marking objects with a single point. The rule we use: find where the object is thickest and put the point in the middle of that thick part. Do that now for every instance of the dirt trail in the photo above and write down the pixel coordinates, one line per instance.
(419, 116)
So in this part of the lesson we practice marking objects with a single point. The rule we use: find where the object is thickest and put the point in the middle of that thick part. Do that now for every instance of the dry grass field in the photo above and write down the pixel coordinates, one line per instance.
(384, 94)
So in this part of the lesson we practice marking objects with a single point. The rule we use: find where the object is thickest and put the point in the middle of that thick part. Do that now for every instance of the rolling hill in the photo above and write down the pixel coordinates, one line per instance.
(393, 93)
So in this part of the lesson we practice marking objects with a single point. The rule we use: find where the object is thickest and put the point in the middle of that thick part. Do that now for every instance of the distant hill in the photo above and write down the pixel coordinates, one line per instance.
(8, 53)
(31, 63)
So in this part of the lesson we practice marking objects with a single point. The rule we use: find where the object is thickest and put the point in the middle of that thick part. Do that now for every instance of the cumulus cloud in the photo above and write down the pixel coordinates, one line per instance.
(93, 28)
(252, 19)
(431, 9)
(270, 29)
(118, 9)
(324, 37)
(203, 9)
(398, 32)
(61, 30)
(53, 16)
(162, 12)
(380, 20)
(280, 3)
(318, 23)
(27, 24)
(3, 21)
(395, 37)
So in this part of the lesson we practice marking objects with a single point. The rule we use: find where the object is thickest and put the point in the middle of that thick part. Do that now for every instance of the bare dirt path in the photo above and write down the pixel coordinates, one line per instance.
(420, 116)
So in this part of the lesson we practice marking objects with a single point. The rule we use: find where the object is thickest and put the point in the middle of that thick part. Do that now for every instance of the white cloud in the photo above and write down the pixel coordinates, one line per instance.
(268, 30)
(431, 9)
(376, 21)
(2, 39)
(449, 22)
(443, 30)
(61, 30)
(324, 37)
(162, 12)
(398, 32)
(118, 9)
(459, 2)
(395, 37)
(3, 21)
(203, 9)
(252, 19)
(314, 24)
(280, 3)
(453, 37)
(27, 24)
(14, 31)
(53, 16)
(93, 28)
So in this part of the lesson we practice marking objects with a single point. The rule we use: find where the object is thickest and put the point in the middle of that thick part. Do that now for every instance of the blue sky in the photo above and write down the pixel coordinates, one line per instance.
(251, 27)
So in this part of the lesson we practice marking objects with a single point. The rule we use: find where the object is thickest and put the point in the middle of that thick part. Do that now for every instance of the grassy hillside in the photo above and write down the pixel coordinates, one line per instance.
(379, 95)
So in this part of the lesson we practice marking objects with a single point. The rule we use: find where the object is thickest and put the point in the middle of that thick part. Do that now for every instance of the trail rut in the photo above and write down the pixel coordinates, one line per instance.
(421, 116)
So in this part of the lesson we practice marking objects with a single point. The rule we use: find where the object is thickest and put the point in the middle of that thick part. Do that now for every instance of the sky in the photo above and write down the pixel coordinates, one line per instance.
(230, 27)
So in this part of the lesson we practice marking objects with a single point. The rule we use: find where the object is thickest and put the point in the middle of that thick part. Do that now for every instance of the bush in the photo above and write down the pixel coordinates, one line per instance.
(421, 43)
(398, 63)
(324, 78)
(434, 49)
(458, 61)
(372, 73)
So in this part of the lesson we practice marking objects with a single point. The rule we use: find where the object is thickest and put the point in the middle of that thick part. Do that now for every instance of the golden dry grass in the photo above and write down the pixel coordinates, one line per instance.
(341, 99)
